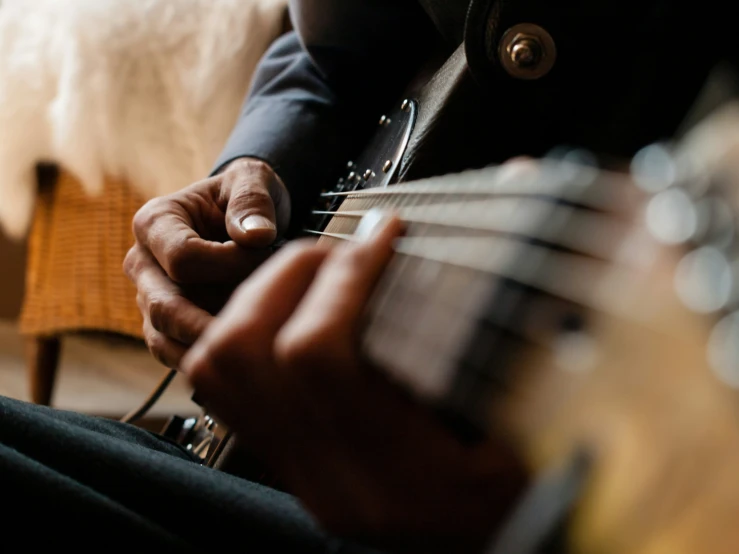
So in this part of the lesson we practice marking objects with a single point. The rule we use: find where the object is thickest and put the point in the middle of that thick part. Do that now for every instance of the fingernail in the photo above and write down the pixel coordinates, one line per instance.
(371, 223)
(254, 222)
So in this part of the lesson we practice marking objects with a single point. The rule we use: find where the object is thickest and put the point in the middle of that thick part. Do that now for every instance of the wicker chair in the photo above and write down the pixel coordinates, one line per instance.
(74, 277)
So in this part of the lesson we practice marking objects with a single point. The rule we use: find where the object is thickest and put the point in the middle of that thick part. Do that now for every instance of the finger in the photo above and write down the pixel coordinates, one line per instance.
(162, 304)
(271, 295)
(517, 168)
(257, 311)
(168, 352)
(171, 313)
(257, 201)
(326, 322)
(166, 229)
(518, 159)
(232, 366)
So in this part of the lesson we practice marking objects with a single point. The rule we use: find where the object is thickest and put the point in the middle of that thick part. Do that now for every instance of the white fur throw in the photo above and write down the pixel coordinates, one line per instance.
(143, 90)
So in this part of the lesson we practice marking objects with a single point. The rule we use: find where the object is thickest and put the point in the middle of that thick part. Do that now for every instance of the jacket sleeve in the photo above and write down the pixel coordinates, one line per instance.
(318, 91)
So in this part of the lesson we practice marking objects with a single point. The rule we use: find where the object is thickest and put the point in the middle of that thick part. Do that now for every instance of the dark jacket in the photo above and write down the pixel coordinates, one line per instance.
(626, 74)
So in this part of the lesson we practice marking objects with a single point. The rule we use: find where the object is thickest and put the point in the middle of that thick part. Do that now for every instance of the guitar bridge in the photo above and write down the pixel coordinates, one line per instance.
(199, 435)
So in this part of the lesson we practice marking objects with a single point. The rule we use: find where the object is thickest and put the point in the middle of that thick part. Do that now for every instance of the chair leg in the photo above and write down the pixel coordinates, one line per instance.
(42, 359)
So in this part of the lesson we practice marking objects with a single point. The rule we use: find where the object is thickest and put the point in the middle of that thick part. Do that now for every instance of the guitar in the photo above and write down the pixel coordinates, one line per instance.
(586, 315)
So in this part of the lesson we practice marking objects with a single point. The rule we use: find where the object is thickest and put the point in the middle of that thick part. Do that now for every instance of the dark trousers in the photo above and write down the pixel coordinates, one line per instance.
(69, 480)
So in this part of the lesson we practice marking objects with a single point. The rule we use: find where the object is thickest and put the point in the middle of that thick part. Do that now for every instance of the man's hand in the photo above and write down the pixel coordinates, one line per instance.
(281, 366)
(194, 246)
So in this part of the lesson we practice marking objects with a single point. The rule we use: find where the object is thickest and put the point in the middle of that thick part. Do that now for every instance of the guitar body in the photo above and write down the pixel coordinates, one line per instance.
(660, 427)
(606, 347)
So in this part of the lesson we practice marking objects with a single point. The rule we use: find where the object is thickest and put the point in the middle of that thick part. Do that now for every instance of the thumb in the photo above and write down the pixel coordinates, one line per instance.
(254, 197)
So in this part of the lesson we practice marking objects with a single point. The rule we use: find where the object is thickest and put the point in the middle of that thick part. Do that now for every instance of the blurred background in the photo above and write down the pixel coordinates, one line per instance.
(104, 104)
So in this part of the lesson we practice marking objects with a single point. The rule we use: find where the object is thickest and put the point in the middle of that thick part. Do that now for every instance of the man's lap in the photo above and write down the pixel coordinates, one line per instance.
(78, 478)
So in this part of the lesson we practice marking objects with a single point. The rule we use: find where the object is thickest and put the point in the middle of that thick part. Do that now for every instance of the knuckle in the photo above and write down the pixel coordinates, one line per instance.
(156, 345)
(161, 310)
(146, 215)
(163, 357)
(252, 196)
(305, 348)
(255, 168)
(130, 262)
(177, 261)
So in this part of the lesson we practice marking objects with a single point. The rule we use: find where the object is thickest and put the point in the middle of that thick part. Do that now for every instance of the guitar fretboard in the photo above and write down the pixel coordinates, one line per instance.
(480, 247)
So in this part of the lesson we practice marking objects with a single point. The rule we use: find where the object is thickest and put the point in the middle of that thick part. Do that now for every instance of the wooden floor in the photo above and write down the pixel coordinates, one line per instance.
(106, 377)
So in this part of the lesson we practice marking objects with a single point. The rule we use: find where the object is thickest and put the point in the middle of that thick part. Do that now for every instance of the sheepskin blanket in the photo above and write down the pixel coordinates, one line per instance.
(141, 90)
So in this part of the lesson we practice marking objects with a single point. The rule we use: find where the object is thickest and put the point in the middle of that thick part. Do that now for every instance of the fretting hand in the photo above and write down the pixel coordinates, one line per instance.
(281, 366)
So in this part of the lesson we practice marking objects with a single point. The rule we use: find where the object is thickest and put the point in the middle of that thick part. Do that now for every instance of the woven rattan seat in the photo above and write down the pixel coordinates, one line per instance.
(74, 276)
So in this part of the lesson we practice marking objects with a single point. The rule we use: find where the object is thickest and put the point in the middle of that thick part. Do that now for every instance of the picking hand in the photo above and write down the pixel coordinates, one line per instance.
(195, 246)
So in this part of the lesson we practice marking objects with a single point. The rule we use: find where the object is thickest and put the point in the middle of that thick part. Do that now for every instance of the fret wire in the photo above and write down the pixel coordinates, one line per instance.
(440, 206)
(435, 304)
(400, 303)
(389, 295)
(523, 328)
(425, 264)
(475, 329)
(421, 345)
(385, 299)
(542, 279)
(503, 324)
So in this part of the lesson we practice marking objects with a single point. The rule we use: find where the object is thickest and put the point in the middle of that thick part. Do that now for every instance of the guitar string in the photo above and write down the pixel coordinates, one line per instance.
(433, 307)
(591, 233)
(398, 277)
(424, 347)
(387, 299)
(610, 193)
(357, 204)
(570, 289)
